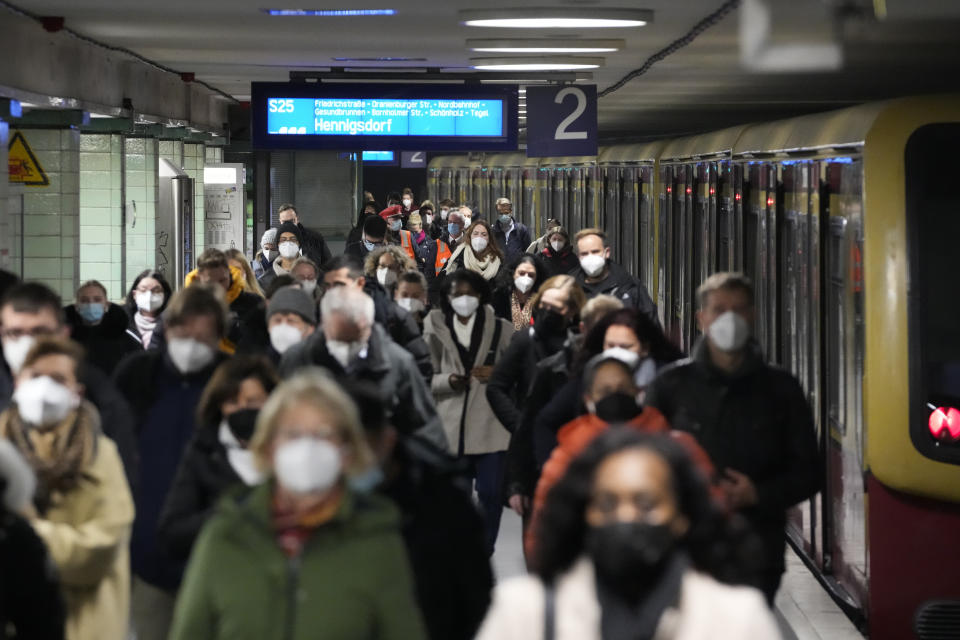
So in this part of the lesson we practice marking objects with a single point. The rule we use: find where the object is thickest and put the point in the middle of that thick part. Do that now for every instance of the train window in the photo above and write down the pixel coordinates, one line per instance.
(933, 223)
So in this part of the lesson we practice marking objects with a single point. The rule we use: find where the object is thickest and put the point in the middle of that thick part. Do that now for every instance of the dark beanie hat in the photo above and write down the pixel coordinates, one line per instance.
(375, 227)
(289, 227)
(293, 300)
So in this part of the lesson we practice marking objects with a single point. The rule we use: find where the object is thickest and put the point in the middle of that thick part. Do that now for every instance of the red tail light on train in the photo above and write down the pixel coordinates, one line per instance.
(945, 423)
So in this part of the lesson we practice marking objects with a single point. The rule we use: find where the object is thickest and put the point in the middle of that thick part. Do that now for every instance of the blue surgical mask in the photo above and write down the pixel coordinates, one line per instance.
(91, 312)
(453, 228)
(370, 246)
(395, 225)
(505, 220)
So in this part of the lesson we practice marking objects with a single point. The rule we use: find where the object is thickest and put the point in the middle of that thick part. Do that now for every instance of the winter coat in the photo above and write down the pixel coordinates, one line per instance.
(86, 531)
(260, 264)
(443, 532)
(314, 246)
(621, 285)
(107, 343)
(509, 385)
(401, 325)
(204, 475)
(469, 421)
(164, 403)
(357, 250)
(390, 368)
(514, 246)
(157, 339)
(352, 579)
(241, 304)
(558, 264)
(756, 421)
(707, 610)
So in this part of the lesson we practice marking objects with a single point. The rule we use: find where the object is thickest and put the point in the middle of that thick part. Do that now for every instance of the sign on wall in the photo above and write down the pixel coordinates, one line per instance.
(562, 121)
(24, 167)
(223, 206)
(413, 160)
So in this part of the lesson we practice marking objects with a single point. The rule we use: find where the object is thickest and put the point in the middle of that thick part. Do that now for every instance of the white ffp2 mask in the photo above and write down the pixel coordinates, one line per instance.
(189, 355)
(593, 264)
(307, 465)
(729, 332)
(42, 401)
(284, 336)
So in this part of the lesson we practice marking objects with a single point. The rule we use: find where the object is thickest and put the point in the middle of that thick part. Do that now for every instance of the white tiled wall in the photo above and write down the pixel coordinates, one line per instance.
(193, 161)
(101, 204)
(51, 213)
(214, 155)
(140, 200)
(9, 211)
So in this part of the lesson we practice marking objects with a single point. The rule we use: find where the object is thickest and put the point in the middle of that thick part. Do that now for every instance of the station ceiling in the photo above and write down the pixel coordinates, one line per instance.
(229, 43)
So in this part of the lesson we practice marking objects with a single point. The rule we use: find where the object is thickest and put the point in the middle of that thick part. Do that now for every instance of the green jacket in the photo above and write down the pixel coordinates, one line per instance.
(351, 582)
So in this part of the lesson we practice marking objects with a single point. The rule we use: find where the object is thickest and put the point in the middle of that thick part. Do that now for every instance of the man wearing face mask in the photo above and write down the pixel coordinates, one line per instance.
(31, 311)
(406, 202)
(610, 395)
(213, 269)
(374, 236)
(314, 246)
(752, 419)
(456, 225)
(396, 234)
(411, 295)
(599, 274)
(267, 253)
(512, 236)
(291, 319)
(163, 388)
(100, 327)
(430, 220)
(353, 345)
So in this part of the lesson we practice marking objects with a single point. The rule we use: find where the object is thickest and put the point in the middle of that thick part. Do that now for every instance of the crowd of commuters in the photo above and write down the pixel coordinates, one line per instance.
(305, 442)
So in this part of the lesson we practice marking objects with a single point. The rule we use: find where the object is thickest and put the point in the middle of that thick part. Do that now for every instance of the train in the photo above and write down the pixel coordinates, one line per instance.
(847, 222)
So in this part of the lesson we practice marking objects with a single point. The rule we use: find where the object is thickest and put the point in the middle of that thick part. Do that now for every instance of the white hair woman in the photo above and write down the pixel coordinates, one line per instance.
(302, 550)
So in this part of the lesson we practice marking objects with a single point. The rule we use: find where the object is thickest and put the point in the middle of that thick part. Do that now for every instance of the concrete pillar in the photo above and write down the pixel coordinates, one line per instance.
(140, 202)
(101, 211)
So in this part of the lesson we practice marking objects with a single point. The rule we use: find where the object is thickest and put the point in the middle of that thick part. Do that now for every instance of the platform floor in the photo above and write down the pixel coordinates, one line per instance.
(804, 610)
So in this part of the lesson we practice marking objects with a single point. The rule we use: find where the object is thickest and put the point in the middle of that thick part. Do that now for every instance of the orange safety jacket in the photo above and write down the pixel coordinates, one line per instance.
(443, 254)
(406, 242)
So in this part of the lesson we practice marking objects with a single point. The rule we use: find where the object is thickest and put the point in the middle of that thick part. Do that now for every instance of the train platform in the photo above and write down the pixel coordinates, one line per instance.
(804, 610)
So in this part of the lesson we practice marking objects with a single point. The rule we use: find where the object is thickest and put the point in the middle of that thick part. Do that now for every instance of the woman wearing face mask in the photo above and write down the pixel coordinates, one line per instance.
(384, 266)
(162, 389)
(267, 253)
(631, 546)
(217, 456)
(302, 551)
(557, 254)
(422, 242)
(431, 221)
(466, 340)
(288, 244)
(100, 327)
(407, 200)
(237, 260)
(146, 300)
(480, 254)
(82, 508)
(513, 296)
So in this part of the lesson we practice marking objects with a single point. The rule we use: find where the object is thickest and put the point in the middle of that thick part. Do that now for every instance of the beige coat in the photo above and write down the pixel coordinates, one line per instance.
(483, 433)
(708, 610)
(87, 532)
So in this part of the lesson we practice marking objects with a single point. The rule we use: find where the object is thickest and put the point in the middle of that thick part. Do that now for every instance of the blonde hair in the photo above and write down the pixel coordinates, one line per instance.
(597, 307)
(249, 277)
(313, 387)
(373, 259)
(591, 231)
(576, 298)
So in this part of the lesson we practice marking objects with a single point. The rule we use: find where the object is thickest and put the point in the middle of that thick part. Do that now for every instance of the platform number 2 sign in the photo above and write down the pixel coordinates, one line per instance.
(562, 121)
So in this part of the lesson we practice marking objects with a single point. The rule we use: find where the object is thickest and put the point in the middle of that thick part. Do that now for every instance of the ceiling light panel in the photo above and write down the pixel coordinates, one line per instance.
(556, 18)
(552, 63)
(330, 13)
(543, 45)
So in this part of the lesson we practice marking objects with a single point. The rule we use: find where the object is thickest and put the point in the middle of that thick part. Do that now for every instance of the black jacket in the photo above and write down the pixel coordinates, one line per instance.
(401, 326)
(157, 339)
(30, 598)
(314, 246)
(622, 285)
(756, 421)
(509, 385)
(204, 474)
(558, 264)
(443, 532)
(357, 250)
(107, 343)
(516, 245)
(243, 306)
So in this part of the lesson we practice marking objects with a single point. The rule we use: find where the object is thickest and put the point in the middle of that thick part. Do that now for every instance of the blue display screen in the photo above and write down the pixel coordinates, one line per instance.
(359, 117)
(384, 117)
(378, 156)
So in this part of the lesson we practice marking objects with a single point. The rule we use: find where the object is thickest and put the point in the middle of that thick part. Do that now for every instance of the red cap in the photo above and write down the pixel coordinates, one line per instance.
(389, 212)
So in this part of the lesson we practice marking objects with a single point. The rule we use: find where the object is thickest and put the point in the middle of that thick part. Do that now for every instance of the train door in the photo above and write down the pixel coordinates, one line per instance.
(529, 197)
(726, 228)
(702, 257)
(665, 266)
(576, 195)
(558, 206)
(477, 183)
(646, 240)
(688, 251)
(630, 227)
(592, 190)
(609, 218)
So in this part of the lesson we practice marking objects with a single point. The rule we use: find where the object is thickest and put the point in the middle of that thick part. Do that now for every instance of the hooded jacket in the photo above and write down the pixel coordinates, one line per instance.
(241, 303)
(352, 579)
(390, 368)
(106, 343)
(620, 285)
(756, 421)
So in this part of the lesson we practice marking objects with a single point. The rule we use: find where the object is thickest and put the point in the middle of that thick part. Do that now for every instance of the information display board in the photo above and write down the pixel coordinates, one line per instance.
(373, 116)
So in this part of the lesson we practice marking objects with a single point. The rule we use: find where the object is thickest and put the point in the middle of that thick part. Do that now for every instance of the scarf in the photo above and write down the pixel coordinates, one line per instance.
(294, 529)
(58, 454)
(145, 327)
(278, 269)
(489, 267)
(520, 315)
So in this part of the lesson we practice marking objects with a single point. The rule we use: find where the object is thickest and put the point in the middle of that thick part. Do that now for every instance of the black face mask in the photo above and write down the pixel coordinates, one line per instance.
(242, 423)
(617, 407)
(629, 555)
(548, 323)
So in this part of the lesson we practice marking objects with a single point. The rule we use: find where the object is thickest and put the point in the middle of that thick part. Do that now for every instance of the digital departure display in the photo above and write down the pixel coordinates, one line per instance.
(405, 117)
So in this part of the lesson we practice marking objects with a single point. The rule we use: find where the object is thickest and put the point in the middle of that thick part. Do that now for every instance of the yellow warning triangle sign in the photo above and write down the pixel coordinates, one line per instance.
(24, 166)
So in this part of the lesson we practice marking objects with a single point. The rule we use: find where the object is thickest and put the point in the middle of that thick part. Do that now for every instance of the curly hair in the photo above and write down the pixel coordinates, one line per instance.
(373, 259)
(716, 546)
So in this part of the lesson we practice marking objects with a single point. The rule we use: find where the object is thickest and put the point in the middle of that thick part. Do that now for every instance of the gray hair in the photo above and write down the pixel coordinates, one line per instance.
(350, 303)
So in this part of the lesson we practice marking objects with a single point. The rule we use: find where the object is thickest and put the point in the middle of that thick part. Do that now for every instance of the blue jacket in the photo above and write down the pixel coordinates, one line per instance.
(516, 245)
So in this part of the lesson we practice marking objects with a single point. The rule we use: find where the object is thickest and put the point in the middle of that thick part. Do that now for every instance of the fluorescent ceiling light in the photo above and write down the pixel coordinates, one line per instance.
(556, 63)
(543, 45)
(556, 17)
(330, 13)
